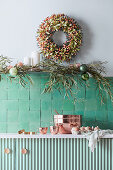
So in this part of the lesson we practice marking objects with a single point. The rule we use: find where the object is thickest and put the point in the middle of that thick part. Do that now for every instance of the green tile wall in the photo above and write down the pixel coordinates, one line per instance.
(29, 109)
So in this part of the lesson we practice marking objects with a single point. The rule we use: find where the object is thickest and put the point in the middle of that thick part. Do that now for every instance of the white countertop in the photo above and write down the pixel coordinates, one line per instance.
(15, 135)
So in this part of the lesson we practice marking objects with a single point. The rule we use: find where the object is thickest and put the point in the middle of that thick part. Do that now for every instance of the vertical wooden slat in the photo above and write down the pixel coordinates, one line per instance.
(90, 159)
(87, 156)
(100, 155)
(94, 160)
(23, 155)
(27, 155)
(33, 155)
(78, 154)
(46, 151)
(62, 154)
(0, 153)
(75, 153)
(43, 154)
(6, 155)
(13, 154)
(106, 154)
(112, 154)
(103, 154)
(17, 152)
(40, 153)
(30, 154)
(81, 154)
(84, 154)
(3, 154)
(56, 156)
(52, 154)
(109, 154)
(65, 154)
(36, 153)
(59, 155)
(97, 156)
(49, 153)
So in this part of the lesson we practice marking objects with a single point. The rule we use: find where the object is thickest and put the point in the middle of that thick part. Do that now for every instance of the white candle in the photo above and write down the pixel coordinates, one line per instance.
(27, 61)
(35, 58)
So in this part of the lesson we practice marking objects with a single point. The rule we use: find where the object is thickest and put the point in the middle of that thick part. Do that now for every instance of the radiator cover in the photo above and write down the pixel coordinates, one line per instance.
(55, 154)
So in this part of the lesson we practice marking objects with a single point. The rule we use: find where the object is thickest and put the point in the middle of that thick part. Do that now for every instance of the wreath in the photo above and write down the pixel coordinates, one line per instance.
(70, 47)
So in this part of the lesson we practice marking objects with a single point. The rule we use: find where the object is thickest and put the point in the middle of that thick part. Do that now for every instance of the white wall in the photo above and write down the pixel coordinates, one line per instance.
(19, 20)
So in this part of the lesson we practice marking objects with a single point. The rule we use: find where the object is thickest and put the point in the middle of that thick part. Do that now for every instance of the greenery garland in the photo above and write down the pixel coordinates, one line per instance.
(61, 77)
(49, 48)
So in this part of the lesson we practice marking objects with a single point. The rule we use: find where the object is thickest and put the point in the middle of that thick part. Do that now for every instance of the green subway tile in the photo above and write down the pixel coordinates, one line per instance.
(24, 105)
(46, 105)
(92, 83)
(46, 117)
(12, 105)
(44, 80)
(12, 127)
(90, 93)
(68, 105)
(90, 115)
(102, 107)
(3, 127)
(23, 116)
(3, 82)
(23, 125)
(12, 116)
(110, 116)
(101, 115)
(56, 94)
(36, 81)
(43, 75)
(34, 116)
(3, 115)
(79, 106)
(3, 105)
(34, 126)
(14, 84)
(57, 104)
(91, 105)
(13, 94)
(110, 105)
(24, 93)
(34, 94)
(3, 94)
(34, 105)
(68, 112)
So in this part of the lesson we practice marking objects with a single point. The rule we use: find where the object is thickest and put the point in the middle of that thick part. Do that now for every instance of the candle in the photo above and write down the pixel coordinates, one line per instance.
(35, 58)
(27, 61)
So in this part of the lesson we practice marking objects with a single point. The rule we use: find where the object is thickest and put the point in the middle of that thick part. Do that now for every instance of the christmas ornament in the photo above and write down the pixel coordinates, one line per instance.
(13, 71)
(72, 30)
(59, 75)
(77, 65)
(9, 67)
(83, 68)
(85, 76)
(20, 64)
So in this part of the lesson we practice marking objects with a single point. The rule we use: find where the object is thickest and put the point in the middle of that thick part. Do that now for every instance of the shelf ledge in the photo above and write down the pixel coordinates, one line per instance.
(15, 136)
